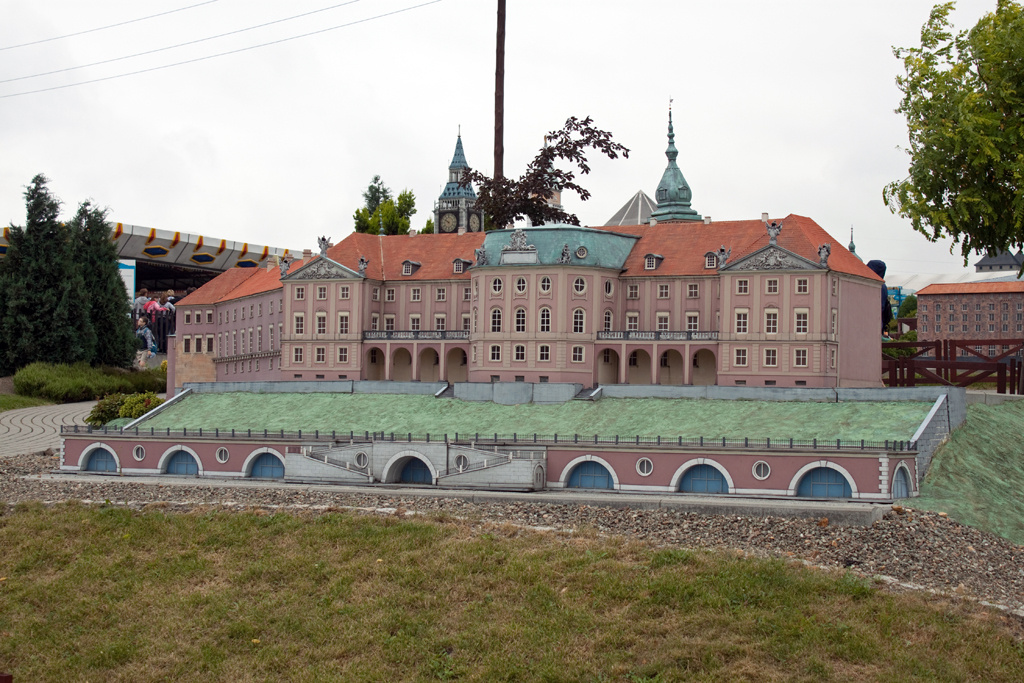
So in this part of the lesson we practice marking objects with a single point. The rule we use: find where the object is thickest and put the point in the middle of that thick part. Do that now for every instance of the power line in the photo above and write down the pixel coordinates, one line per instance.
(172, 47)
(104, 28)
(221, 54)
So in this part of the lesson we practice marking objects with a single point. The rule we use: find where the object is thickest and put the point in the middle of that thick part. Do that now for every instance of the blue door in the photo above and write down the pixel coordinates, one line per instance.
(822, 482)
(268, 466)
(101, 460)
(416, 472)
(182, 463)
(590, 475)
(703, 479)
(901, 484)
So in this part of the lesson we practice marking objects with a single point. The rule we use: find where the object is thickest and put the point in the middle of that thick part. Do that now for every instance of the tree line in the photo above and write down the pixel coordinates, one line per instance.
(62, 299)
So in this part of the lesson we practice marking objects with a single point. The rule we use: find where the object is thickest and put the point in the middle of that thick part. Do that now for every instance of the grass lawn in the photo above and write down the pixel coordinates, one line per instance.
(108, 594)
(12, 402)
(977, 475)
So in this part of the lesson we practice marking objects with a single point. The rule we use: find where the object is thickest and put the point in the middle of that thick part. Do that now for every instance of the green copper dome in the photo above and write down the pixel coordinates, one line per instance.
(673, 194)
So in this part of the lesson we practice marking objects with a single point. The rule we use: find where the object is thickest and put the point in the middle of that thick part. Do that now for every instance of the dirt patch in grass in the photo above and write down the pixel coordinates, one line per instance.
(111, 594)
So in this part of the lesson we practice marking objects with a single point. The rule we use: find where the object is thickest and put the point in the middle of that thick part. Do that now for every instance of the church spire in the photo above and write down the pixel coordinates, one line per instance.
(673, 194)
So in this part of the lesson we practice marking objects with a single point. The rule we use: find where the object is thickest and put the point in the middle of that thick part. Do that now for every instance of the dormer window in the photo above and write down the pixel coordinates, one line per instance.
(459, 265)
(652, 261)
(409, 267)
(710, 260)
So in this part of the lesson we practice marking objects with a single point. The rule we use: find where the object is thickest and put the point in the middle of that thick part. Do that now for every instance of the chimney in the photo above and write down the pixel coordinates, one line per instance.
(764, 217)
(462, 230)
(307, 254)
(707, 220)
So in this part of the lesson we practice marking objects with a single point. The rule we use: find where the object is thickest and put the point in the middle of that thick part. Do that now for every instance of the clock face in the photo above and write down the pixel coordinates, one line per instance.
(448, 222)
(474, 223)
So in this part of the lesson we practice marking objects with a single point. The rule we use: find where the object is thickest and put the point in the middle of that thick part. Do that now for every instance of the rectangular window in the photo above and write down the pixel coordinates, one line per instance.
(771, 358)
(742, 286)
(414, 294)
(441, 294)
(440, 323)
(835, 322)
(663, 322)
(802, 286)
(259, 338)
(209, 343)
(342, 323)
(800, 326)
(465, 322)
(321, 292)
(495, 353)
(389, 294)
(321, 323)
(297, 354)
(520, 352)
(632, 322)
(374, 322)
(186, 344)
(771, 286)
(414, 323)
(188, 318)
(300, 324)
(741, 322)
(343, 293)
(375, 295)
(271, 331)
(467, 294)
(342, 354)
(800, 358)
(389, 323)
(832, 358)
(234, 342)
(300, 293)
(321, 354)
(692, 322)
(633, 292)
(771, 322)
(662, 291)
(209, 317)
(259, 309)
(544, 353)
(835, 287)
(739, 358)
(692, 291)
(577, 354)
(270, 307)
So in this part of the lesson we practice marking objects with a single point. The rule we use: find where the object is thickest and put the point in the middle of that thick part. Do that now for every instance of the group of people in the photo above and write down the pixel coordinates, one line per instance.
(145, 307)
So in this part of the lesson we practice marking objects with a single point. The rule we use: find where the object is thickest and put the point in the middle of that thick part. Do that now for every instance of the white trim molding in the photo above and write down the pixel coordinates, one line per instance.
(563, 478)
(681, 470)
(827, 464)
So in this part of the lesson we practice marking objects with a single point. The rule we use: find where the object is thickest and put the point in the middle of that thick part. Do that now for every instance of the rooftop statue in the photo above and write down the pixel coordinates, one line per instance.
(324, 243)
(723, 256)
(773, 232)
(518, 242)
(823, 253)
(481, 257)
(362, 265)
(566, 255)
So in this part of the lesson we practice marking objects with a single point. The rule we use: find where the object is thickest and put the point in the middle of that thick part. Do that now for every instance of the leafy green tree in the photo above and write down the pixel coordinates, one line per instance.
(505, 201)
(376, 194)
(908, 309)
(45, 305)
(428, 229)
(108, 305)
(963, 98)
(391, 217)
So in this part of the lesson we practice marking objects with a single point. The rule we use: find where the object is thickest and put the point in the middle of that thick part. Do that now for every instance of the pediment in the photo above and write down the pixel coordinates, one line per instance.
(773, 258)
(323, 268)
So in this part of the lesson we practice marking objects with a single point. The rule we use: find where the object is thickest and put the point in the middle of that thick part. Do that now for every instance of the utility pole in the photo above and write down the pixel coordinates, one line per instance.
(499, 95)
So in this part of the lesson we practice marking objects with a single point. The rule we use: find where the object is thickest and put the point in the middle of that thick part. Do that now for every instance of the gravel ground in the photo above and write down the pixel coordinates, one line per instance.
(906, 549)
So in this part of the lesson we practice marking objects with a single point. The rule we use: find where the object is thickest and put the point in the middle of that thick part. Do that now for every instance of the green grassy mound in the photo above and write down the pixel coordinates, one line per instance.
(111, 595)
(978, 475)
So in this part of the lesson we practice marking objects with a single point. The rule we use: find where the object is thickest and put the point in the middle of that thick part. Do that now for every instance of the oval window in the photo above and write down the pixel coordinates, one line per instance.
(222, 455)
(761, 470)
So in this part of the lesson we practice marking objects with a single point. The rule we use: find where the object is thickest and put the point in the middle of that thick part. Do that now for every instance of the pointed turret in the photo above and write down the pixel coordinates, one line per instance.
(852, 247)
(673, 194)
(454, 210)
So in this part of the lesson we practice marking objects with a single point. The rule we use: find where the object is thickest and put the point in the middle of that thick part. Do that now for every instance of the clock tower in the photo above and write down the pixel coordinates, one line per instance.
(455, 210)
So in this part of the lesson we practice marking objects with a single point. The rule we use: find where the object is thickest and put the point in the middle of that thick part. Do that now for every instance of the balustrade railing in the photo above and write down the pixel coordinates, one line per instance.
(657, 335)
(392, 335)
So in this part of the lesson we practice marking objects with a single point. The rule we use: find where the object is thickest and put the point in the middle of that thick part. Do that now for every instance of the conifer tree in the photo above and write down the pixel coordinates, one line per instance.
(108, 305)
(44, 315)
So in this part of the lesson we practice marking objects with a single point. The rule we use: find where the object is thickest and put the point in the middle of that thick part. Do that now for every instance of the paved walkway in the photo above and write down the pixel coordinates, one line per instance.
(30, 430)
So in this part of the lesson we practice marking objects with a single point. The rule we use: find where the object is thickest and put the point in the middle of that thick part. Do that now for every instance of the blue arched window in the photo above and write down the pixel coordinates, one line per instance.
(101, 460)
(823, 482)
(901, 484)
(182, 463)
(590, 475)
(703, 479)
(416, 472)
(268, 466)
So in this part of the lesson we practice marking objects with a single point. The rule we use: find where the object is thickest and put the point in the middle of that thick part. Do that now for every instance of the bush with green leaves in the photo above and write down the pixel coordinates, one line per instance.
(82, 382)
(137, 405)
(106, 409)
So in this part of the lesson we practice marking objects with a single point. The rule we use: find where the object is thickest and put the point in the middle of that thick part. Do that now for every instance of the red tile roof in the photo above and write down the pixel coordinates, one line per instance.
(973, 288)
(684, 244)
(237, 283)
(434, 253)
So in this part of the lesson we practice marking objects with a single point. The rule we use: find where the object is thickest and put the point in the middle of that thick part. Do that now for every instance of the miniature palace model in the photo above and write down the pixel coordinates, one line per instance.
(678, 307)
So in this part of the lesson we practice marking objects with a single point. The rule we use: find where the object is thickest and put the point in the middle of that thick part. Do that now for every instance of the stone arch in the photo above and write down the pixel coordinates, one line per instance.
(83, 459)
(677, 476)
(795, 482)
(705, 368)
(162, 465)
(638, 367)
(393, 468)
(563, 478)
(671, 367)
(401, 365)
(429, 365)
(257, 452)
(457, 365)
(607, 371)
(374, 367)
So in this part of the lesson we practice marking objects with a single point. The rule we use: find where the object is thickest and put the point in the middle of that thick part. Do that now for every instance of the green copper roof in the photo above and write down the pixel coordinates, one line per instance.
(586, 247)
(673, 194)
(452, 189)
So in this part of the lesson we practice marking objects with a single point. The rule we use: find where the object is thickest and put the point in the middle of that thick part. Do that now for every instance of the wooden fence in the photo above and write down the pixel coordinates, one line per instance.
(955, 362)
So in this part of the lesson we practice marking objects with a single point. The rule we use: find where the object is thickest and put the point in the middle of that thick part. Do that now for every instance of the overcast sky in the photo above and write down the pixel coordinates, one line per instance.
(783, 106)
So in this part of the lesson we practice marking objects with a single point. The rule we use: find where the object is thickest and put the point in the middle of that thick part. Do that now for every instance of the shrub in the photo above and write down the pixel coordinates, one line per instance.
(106, 409)
(80, 382)
(137, 405)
